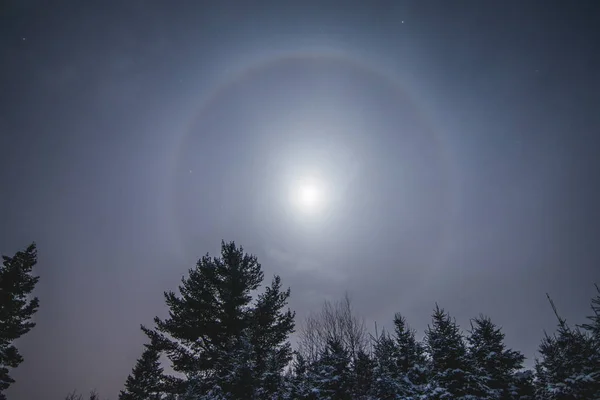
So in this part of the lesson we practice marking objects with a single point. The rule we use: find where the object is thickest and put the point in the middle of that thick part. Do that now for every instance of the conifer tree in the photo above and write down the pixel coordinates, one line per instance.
(523, 387)
(362, 375)
(302, 385)
(217, 336)
(16, 308)
(493, 362)
(566, 369)
(386, 379)
(451, 374)
(411, 361)
(593, 329)
(146, 380)
(330, 375)
(269, 331)
(401, 365)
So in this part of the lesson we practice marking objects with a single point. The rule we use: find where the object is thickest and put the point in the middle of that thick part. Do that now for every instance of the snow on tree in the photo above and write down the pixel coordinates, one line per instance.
(270, 329)
(146, 381)
(16, 308)
(302, 386)
(567, 367)
(400, 370)
(386, 377)
(330, 375)
(493, 362)
(411, 361)
(362, 375)
(452, 377)
(522, 386)
(217, 336)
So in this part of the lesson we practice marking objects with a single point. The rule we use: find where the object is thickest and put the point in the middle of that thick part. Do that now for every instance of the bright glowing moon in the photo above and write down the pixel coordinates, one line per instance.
(308, 195)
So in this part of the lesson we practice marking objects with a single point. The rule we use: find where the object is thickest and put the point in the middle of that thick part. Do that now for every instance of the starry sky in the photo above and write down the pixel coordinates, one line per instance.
(458, 140)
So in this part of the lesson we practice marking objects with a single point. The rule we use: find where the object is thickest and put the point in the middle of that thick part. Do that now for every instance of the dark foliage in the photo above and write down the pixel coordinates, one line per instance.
(217, 337)
(16, 308)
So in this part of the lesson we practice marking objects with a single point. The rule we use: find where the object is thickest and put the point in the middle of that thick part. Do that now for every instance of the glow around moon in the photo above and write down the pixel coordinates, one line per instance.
(308, 195)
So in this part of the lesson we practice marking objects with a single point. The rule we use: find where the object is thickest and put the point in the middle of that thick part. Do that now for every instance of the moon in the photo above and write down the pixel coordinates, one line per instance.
(308, 195)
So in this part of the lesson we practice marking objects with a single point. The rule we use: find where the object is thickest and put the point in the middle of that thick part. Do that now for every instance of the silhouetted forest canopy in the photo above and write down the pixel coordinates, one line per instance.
(227, 336)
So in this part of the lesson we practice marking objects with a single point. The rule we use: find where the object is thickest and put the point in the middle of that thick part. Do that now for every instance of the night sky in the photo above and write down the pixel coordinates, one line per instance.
(457, 142)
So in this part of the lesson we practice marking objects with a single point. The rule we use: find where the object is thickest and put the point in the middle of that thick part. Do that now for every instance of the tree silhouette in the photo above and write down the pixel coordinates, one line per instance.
(16, 308)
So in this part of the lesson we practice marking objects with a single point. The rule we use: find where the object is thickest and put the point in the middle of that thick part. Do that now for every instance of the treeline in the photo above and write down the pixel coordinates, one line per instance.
(227, 337)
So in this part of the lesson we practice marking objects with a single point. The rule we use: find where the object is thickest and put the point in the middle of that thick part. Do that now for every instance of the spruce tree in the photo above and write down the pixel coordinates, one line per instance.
(16, 308)
(401, 364)
(146, 379)
(566, 369)
(593, 329)
(451, 375)
(362, 375)
(331, 375)
(301, 383)
(494, 363)
(523, 387)
(217, 336)
(411, 361)
(386, 377)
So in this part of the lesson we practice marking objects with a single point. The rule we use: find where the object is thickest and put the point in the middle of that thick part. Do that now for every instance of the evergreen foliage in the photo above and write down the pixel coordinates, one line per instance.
(227, 341)
(218, 337)
(362, 375)
(330, 375)
(452, 376)
(386, 379)
(412, 360)
(523, 386)
(568, 366)
(17, 282)
(493, 362)
(146, 380)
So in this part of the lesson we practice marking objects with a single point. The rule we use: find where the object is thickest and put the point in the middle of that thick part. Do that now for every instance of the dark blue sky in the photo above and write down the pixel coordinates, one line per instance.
(458, 141)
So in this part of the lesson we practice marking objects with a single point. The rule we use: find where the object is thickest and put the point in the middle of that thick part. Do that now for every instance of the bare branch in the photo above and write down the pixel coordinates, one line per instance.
(336, 321)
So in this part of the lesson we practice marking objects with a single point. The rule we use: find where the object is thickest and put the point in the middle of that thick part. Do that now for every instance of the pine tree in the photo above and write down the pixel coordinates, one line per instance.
(146, 379)
(494, 363)
(218, 336)
(269, 332)
(566, 369)
(236, 373)
(451, 374)
(16, 310)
